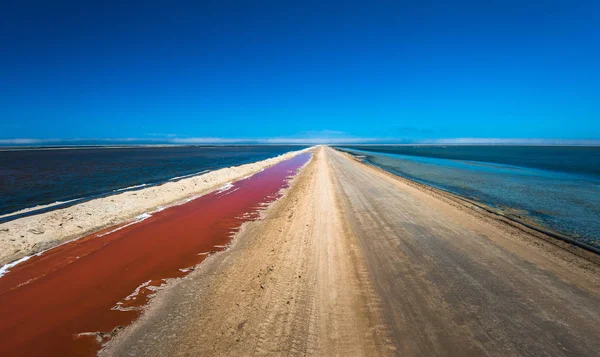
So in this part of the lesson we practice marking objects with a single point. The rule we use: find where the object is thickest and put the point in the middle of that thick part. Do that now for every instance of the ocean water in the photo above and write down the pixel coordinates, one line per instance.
(40, 177)
(556, 187)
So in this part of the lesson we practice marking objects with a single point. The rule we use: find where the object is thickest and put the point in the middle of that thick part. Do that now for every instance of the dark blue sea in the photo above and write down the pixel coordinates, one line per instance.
(29, 178)
(556, 187)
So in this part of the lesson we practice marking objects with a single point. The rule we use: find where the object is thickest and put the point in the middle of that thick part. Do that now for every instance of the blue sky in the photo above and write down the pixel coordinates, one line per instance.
(282, 71)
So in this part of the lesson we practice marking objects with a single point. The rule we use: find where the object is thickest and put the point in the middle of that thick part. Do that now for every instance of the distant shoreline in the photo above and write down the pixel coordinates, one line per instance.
(141, 146)
(150, 146)
(498, 213)
(477, 144)
(31, 234)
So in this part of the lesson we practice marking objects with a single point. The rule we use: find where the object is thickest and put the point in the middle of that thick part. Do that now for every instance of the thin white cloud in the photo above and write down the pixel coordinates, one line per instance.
(320, 140)
(505, 141)
(202, 140)
(279, 140)
(20, 141)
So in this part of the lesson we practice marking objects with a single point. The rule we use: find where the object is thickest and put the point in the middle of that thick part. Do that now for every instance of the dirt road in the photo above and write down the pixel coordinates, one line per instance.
(354, 262)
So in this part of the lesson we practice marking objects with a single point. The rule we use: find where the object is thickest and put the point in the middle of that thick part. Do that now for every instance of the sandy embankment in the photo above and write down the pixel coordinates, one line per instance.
(30, 235)
(354, 261)
(292, 284)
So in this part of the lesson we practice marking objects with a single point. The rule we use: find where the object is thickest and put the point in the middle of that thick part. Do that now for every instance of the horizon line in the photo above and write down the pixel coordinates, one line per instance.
(193, 141)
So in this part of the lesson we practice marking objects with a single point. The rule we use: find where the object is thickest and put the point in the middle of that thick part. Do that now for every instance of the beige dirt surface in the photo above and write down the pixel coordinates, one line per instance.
(355, 262)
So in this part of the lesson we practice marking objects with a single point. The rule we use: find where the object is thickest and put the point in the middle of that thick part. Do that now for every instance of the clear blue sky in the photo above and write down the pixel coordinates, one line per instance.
(281, 70)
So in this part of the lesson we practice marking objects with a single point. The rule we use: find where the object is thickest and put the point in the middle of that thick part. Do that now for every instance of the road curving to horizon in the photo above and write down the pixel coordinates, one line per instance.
(353, 261)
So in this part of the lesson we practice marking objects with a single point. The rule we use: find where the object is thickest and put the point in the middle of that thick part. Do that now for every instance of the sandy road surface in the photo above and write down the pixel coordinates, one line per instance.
(292, 284)
(353, 262)
(455, 286)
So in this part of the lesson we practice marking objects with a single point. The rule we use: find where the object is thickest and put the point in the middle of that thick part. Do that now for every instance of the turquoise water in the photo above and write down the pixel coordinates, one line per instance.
(565, 198)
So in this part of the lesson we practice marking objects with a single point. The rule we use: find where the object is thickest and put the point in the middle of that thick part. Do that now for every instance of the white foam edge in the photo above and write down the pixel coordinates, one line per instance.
(138, 219)
(225, 187)
(136, 292)
(131, 187)
(5, 268)
(190, 175)
(40, 207)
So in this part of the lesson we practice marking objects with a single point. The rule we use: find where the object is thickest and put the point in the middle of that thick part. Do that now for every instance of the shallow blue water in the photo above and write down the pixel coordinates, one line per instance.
(560, 191)
(38, 177)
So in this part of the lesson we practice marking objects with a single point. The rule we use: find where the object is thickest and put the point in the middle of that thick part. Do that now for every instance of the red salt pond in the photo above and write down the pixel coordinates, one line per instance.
(55, 303)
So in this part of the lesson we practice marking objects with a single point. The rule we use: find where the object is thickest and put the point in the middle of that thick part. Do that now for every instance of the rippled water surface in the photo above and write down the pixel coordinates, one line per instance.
(557, 187)
(39, 177)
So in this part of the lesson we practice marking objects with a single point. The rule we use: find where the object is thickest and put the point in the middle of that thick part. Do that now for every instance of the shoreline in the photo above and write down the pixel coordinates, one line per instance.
(269, 282)
(531, 228)
(30, 235)
(353, 261)
(168, 245)
(31, 211)
(140, 146)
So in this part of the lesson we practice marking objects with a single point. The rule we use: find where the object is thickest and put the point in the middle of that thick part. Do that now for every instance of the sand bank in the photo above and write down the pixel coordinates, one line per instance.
(293, 282)
(354, 261)
(112, 273)
(33, 234)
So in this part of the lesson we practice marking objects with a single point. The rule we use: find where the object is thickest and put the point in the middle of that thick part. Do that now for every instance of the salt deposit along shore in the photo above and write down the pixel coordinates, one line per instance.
(30, 235)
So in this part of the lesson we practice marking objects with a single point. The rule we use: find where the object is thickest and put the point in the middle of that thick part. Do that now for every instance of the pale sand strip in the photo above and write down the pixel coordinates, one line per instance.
(33, 234)
(292, 284)
(353, 261)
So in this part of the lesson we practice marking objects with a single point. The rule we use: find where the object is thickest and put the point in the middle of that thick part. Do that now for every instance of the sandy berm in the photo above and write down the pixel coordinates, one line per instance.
(29, 235)
(353, 261)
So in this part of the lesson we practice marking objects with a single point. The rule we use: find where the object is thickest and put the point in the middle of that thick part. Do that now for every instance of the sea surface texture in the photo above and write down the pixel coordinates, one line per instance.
(29, 178)
(556, 187)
